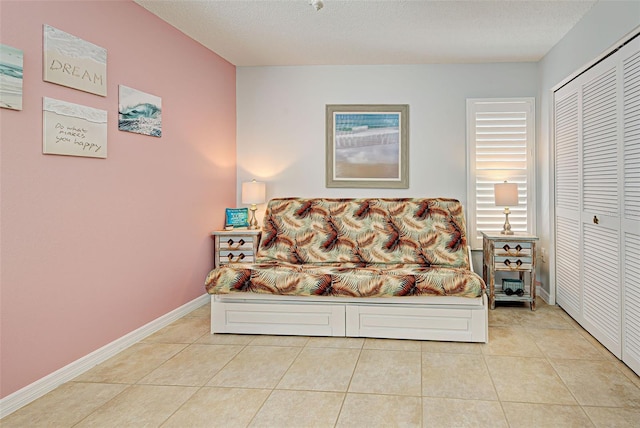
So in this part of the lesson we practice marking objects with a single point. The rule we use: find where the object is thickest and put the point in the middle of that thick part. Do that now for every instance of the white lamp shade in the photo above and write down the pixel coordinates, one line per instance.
(506, 194)
(253, 192)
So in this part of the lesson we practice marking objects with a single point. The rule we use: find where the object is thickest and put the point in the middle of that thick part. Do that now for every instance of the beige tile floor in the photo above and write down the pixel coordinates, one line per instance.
(540, 369)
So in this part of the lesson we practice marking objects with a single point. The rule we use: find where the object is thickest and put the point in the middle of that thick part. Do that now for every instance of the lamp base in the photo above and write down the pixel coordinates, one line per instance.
(253, 223)
(506, 229)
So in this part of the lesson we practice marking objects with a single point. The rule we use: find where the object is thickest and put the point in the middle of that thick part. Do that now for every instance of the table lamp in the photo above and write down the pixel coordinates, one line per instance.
(253, 192)
(506, 195)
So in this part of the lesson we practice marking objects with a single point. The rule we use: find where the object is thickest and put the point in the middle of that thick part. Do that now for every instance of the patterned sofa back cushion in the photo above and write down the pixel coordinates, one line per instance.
(429, 232)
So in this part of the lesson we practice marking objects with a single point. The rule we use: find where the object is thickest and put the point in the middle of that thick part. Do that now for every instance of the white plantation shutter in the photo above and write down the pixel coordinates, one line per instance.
(500, 141)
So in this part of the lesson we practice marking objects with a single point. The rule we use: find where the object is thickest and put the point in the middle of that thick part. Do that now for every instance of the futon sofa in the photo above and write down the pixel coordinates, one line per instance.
(396, 268)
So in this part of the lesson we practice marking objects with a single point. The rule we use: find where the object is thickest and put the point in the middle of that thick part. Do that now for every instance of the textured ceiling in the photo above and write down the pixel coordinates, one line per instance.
(350, 32)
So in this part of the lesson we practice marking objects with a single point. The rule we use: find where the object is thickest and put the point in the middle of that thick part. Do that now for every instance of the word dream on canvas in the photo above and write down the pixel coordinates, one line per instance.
(76, 72)
(73, 62)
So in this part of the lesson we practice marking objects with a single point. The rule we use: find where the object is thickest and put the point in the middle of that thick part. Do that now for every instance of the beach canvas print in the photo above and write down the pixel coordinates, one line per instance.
(11, 60)
(367, 146)
(73, 62)
(73, 129)
(139, 112)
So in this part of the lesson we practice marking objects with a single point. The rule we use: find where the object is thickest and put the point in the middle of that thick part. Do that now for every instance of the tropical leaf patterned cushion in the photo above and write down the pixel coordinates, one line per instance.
(428, 232)
(357, 247)
(344, 280)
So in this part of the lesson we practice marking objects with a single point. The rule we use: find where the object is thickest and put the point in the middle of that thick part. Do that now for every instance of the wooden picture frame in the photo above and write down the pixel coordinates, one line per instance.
(367, 145)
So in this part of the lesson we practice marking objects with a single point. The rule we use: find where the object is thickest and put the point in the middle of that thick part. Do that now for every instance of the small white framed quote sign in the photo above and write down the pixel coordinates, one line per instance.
(73, 130)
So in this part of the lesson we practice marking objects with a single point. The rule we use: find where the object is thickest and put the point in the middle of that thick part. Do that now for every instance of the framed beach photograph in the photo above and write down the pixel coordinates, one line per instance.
(367, 145)
(11, 60)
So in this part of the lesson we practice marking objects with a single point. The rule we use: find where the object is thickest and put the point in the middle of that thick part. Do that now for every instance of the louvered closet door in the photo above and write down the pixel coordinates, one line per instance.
(568, 166)
(631, 204)
(597, 149)
(600, 205)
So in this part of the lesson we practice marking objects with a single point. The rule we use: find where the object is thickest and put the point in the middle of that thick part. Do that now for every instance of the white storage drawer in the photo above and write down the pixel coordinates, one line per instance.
(403, 322)
(270, 318)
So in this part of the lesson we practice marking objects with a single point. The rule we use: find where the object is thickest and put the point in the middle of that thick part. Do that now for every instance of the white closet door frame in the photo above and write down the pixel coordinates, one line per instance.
(630, 214)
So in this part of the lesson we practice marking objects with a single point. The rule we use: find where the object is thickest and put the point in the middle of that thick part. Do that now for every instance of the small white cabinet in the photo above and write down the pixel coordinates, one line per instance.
(235, 246)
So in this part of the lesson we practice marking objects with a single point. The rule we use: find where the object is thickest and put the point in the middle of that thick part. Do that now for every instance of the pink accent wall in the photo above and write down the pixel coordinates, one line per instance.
(92, 249)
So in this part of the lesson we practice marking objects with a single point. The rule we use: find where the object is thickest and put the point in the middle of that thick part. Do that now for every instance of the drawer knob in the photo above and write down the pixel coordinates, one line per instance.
(595, 220)
(241, 256)
(230, 241)
(241, 242)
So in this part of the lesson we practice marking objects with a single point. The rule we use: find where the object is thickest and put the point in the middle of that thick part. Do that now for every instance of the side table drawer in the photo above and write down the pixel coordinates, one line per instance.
(236, 243)
(513, 263)
(513, 249)
(227, 256)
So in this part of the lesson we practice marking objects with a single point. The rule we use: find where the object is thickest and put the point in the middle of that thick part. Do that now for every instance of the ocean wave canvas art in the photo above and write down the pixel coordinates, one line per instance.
(139, 112)
(73, 62)
(11, 60)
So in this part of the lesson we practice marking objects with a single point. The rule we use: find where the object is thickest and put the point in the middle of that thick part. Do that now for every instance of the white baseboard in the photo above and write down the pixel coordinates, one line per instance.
(542, 293)
(37, 389)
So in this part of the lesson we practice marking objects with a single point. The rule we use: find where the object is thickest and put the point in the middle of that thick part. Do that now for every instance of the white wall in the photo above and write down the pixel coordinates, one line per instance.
(281, 121)
(605, 24)
(281, 124)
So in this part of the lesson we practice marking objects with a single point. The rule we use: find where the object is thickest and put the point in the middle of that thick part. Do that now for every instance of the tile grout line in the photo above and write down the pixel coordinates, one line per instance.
(136, 383)
(169, 359)
(493, 384)
(129, 386)
(346, 392)
(275, 386)
(530, 333)
(568, 389)
(180, 406)
(422, 357)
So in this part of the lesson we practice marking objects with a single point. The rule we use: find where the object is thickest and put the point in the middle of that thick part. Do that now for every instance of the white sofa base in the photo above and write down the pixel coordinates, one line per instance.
(442, 318)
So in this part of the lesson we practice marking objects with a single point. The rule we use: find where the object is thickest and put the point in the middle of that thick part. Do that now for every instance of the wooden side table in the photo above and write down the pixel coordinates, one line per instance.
(510, 253)
(235, 246)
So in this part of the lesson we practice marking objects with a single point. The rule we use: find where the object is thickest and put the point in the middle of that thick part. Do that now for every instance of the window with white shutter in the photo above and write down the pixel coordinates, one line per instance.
(500, 147)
